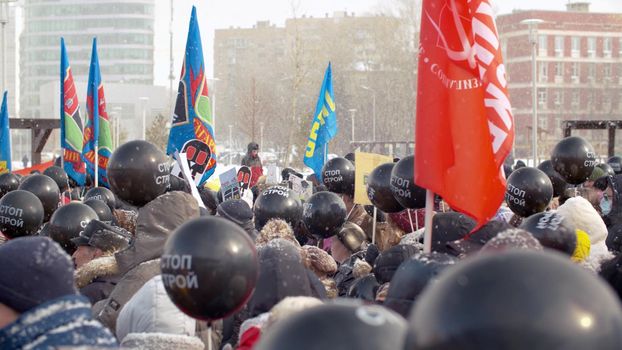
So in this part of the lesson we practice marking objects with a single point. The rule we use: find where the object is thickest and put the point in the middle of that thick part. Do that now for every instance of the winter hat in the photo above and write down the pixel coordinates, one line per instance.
(34, 270)
(318, 261)
(514, 238)
(389, 260)
(597, 173)
(582, 251)
(126, 219)
(106, 237)
(273, 229)
(290, 306)
(476, 240)
(448, 227)
(238, 211)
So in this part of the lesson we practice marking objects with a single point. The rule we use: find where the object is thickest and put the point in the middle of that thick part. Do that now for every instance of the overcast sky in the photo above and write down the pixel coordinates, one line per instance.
(217, 14)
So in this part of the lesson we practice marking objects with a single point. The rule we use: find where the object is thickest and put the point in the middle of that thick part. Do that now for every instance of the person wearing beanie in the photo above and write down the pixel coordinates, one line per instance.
(96, 271)
(238, 211)
(39, 304)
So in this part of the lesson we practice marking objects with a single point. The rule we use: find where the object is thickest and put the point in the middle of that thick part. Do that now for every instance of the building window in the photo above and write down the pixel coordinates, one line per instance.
(576, 72)
(607, 47)
(607, 71)
(575, 99)
(558, 98)
(543, 74)
(542, 97)
(591, 72)
(620, 47)
(607, 103)
(559, 46)
(542, 123)
(559, 72)
(575, 46)
(542, 45)
(591, 47)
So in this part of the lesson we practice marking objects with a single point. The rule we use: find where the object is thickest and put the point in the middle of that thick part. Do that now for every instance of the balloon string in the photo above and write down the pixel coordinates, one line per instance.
(373, 237)
(417, 218)
(412, 229)
(351, 209)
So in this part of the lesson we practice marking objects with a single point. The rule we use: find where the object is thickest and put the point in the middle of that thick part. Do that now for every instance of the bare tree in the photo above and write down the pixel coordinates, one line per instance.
(157, 133)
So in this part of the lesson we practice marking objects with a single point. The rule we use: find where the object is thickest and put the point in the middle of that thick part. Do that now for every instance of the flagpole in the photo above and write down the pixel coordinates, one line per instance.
(96, 163)
(429, 210)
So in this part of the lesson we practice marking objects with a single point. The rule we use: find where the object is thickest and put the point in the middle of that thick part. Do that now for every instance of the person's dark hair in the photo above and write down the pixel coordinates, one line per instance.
(602, 183)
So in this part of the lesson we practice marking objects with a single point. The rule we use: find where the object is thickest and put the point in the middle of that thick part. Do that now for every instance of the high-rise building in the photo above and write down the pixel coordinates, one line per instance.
(125, 38)
(10, 56)
(579, 72)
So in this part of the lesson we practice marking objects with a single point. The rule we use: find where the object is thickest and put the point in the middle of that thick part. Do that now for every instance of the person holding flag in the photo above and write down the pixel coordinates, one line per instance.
(71, 136)
(97, 137)
(464, 124)
(323, 128)
(192, 130)
(5, 137)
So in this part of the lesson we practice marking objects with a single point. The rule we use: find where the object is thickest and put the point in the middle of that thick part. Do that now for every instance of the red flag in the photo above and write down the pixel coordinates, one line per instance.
(465, 128)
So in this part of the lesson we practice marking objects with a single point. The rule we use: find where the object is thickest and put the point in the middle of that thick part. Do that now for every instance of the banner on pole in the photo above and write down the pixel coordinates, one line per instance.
(365, 164)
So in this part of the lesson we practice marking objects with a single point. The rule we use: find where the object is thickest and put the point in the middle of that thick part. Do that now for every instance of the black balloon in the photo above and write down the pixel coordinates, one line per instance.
(412, 276)
(528, 191)
(323, 214)
(615, 163)
(574, 159)
(8, 182)
(553, 231)
(379, 189)
(338, 176)
(559, 185)
(337, 326)
(46, 190)
(59, 176)
(403, 186)
(21, 214)
(67, 223)
(103, 211)
(138, 172)
(102, 194)
(606, 168)
(277, 202)
(516, 300)
(209, 268)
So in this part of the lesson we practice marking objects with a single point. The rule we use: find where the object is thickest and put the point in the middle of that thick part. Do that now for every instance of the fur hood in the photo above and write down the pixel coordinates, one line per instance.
(273, 229)
(100, 267)
(584, 217)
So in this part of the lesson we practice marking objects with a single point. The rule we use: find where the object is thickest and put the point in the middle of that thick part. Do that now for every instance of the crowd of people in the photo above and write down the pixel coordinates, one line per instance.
(145, 264)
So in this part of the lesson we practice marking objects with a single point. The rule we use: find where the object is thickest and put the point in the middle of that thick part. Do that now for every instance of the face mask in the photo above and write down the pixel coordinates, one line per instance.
(605, 206)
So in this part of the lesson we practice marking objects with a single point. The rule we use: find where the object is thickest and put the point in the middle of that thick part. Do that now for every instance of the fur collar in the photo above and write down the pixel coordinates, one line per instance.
(100, 267)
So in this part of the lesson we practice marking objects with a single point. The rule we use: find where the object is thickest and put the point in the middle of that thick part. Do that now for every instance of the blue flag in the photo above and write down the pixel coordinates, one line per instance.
(97, 137)
(192, 130)
(5, 137)
(323, 128)
(71, 136)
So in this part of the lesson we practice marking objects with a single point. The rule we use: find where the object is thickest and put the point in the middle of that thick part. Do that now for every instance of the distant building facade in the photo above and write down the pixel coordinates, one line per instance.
(125, 34)
(579, 73)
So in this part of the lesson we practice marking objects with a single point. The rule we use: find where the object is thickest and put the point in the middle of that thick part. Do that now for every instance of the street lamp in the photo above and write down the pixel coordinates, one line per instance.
(261, 125)
(373, 123)
(117, 120)
(352, 115)
(230, 144)
(213, 98)
(144, 101)
(4, 19)
(532, 23)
